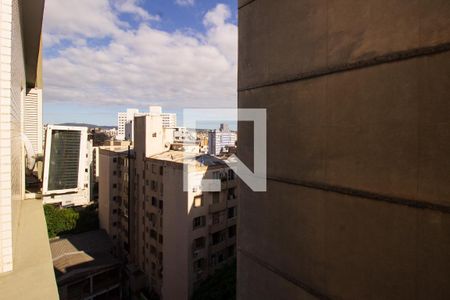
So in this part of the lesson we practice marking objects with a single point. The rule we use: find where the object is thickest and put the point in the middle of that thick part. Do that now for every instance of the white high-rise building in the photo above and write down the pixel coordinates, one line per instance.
(169, 120)
(125, 127)
(122, 119)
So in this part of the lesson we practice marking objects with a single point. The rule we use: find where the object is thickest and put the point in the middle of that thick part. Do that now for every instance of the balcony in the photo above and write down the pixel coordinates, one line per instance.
(216, 207)
(33, 276)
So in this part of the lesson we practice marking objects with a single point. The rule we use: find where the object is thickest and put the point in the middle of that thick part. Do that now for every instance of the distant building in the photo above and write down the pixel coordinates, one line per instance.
(113, 196)
(124, 131)
(172, 239)
(67, 166)
(122, 119)
(220, 140)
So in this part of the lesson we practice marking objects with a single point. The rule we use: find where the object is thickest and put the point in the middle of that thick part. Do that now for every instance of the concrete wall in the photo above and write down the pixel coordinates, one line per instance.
(176, 247)
(358, 200)
(105, 190)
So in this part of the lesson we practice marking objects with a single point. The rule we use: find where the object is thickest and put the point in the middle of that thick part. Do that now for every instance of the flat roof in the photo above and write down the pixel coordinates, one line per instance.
(181, 157)
(81, 252)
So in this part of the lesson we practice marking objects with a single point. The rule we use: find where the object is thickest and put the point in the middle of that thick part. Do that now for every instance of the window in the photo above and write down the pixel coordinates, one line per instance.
(153, 234)
(153, 250)
(230, 175)
(199, 222)
(160, 239)
(114, 211)
(199, 264)
(114, 185)
(232, 231)
(216, 197)
(218, 237)
(153, 169)
(216, 218)
(161, 204)
(198, 201)
(231, 212)
(154, 186)
(114, 173)
(230, 251)
(114, 159)
(199, 243)
(231, 194)
(154, 134)
(154, 202)
(161, 170)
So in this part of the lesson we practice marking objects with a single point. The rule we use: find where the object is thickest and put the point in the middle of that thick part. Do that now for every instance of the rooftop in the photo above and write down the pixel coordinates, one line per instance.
(80, 253)
(197, 159)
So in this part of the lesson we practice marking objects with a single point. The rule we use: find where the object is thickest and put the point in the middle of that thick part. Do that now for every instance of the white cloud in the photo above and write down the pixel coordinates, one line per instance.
(68, 19)
(139, 66)
(185, 2)
(132, 7)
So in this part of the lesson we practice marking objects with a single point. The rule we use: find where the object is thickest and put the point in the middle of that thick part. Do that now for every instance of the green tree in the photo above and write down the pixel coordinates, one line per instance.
(70, 220)
(59, 220)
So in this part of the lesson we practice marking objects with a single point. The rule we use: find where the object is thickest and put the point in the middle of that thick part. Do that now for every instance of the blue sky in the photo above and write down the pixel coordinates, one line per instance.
(103, 56)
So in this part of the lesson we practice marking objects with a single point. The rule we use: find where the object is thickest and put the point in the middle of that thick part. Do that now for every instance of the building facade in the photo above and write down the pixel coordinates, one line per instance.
(125, 126)
(113, 197)
(220, 140)
(358, 204)
(175, 238)
(24, 248)
(122, 119)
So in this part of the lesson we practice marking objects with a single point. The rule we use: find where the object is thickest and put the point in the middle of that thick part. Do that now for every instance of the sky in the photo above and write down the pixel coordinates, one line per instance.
(102, 56)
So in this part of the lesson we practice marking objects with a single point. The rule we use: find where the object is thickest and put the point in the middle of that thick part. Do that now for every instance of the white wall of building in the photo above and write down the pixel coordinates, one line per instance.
(12, 91)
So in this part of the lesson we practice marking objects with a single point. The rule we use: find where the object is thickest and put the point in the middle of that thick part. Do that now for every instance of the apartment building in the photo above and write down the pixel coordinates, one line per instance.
(220, 140)
(24, 248)
(184, 237)
(125, 126)
(358, 201)
(175, 238)
(113, 196)
(122, 119)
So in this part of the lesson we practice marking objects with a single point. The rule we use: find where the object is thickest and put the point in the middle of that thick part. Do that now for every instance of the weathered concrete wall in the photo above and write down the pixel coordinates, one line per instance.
(357, 96)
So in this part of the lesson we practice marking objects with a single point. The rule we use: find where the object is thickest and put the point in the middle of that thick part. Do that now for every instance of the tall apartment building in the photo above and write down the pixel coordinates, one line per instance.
(219, 140)
(122, 119)
(176, 238)
(358, 200)
(24, 248)
(125, 127)
(113, 196)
